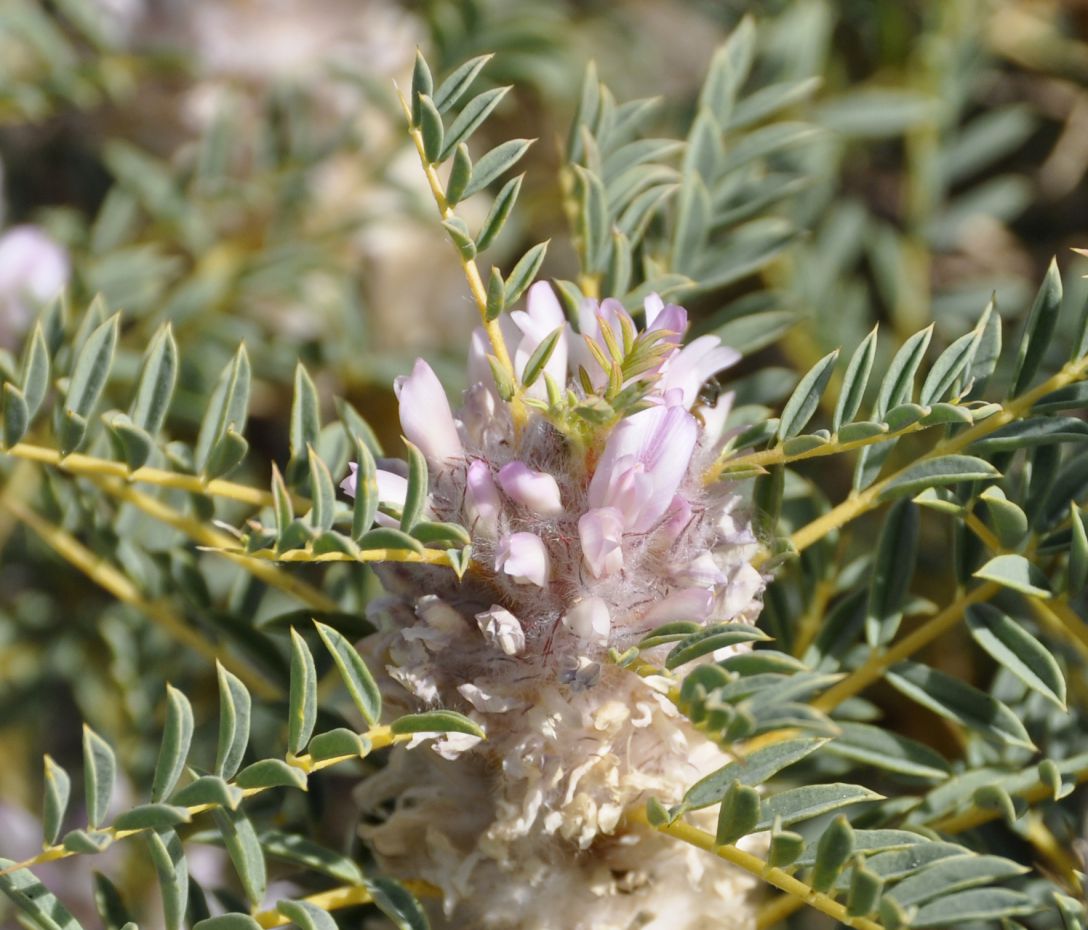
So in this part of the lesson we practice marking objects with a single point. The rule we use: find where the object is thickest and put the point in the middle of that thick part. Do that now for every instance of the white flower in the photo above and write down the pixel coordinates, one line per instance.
(501, 628)
(589, 619)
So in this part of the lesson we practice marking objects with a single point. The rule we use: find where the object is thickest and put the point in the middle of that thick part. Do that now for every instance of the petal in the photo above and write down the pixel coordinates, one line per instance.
(31, 264)
(590, 620)
(533, 489)
(693, 365)
(662, 439)
(543, 316)
(501, 628)
(425, 415)
(524, 557)
(686, 604)
(349, 484)
(601, 533)
(652, 306)
(482, 500)
(477, 412)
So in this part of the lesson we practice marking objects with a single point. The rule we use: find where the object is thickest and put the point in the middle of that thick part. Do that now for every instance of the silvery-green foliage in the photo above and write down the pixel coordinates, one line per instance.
(959, 512)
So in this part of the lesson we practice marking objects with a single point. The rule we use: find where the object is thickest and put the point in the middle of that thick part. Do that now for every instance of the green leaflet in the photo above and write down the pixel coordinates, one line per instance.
(152, 816)
(470, 119)
(960, 702)
(1037, 330)
(755, 769)
(524, 273)
(302, 699)
(1017, 651)
(954, 874)
(176, 738)
(158, 377)
(945, 469)
(34, 900)
(305, 423)
(99, 771)
(306, 916)
(1015, 572)
(172, 870)
(498, 214)
(798, 804)
(495, 163)
(454, 87)
(892, 572)
(806, 397)
(234, 710)
(398, 904)
(356, 676)
(271, 773)
(244, 850)
(978, 904)
(299, 850)
(852, 391)
(436, 721)
(57, 789)
(227, 408)
(876, 746)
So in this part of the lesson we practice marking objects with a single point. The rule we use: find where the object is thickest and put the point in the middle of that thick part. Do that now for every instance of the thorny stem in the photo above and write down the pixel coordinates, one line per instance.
(376, 738)
(471, 269)
(106, 576)
(864, 501)
(753, 865)
(78, 464)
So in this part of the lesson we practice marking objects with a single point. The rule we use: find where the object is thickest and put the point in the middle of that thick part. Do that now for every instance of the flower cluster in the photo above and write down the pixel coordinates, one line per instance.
(587, 534)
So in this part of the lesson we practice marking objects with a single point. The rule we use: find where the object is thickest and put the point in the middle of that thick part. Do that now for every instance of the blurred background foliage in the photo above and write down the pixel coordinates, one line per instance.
(240, 169)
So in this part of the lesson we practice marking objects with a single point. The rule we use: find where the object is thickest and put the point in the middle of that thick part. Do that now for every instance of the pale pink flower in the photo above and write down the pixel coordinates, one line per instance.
(542, 316)
(425, 415)
(33, 270)
(534, 490)
(643, 463)
(524, 557)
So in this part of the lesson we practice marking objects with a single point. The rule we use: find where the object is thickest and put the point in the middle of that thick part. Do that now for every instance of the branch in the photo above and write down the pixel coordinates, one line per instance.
(109, 578)
(753, 865)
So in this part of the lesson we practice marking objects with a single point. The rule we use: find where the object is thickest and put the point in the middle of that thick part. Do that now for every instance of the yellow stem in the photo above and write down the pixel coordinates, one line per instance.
(427, 556)
(976, 816)
(376, 738)
(982, 531)
(106, 576)
(78, 464)
(875, 666)
(471, 270)
(755, 866)
(220, 541)
(1060, 617)
(344, 896)
(864, 501)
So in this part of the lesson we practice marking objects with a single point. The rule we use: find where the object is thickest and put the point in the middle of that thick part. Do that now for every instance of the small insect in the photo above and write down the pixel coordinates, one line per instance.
(710, 392)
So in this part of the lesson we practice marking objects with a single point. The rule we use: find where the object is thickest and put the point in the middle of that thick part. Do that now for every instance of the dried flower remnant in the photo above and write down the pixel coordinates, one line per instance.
(590, 527)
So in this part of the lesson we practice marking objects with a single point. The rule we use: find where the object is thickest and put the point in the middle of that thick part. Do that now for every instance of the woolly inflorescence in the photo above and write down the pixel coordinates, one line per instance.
(584, 540)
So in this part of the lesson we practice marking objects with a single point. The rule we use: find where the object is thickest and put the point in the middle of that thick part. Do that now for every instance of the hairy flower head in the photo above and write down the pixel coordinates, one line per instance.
(590, 528)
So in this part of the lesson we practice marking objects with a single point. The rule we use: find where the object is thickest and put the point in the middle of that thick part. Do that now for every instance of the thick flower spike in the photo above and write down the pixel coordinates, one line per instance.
(590, 527)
